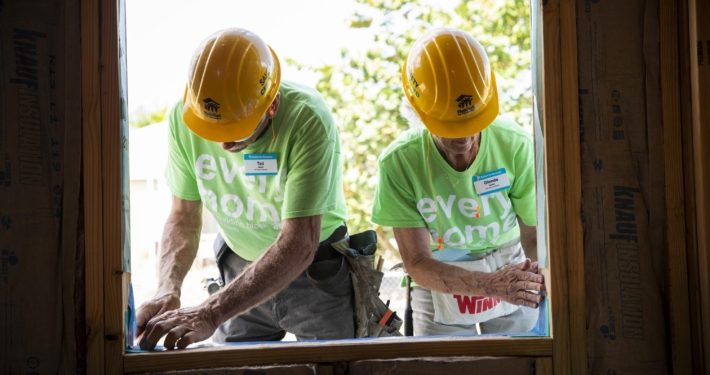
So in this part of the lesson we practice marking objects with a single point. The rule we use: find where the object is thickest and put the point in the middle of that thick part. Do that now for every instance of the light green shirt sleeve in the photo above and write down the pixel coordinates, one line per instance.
(313, 172)
(395, 203)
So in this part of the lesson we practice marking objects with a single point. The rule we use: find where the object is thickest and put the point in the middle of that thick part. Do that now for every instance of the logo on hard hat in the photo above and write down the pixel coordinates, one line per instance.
(211, 108)
(262, 81)
(465, 104)
(414, 85)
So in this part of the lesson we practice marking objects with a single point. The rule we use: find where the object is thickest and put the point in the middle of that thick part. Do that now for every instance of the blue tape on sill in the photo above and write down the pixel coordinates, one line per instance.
(130, 320)
(542, 328)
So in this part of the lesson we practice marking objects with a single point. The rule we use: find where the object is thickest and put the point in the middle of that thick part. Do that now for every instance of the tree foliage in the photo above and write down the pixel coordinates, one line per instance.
(364, 89)
(143, 119)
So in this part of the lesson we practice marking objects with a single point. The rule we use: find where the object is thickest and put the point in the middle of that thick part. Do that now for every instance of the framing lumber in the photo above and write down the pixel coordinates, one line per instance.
(111, 155)
(677, 276)
(92, 184)
(563, 177)
(699, 11)
(337, 351)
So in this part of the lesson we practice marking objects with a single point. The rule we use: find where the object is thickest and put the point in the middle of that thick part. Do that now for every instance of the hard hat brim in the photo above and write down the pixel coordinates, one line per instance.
(234, 131)
(220, 132)
(459, 128)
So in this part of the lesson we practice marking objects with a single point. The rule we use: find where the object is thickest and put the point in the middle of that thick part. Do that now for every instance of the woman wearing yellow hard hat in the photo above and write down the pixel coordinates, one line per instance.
(459, 192)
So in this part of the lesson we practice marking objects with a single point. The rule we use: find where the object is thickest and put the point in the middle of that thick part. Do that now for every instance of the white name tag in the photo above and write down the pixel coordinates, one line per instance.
(490, 182)
(260, 164)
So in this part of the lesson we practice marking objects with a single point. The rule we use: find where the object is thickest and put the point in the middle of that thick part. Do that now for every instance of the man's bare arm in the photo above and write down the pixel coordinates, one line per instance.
(178, 247)
(179, 244)
(280, 264)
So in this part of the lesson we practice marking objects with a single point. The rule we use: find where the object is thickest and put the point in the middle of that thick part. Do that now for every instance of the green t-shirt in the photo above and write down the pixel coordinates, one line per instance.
(249, 208)
(446, 203)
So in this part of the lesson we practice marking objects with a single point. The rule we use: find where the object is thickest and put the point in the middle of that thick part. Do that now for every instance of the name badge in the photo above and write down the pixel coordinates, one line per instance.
(260, 164)
(490, 182)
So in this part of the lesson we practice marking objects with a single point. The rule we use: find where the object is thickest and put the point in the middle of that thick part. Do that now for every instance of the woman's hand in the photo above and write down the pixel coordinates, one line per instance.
(519, 284)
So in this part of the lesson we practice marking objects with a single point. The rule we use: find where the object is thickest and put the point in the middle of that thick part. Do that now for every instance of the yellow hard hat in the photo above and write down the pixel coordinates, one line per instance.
(234, 77)
(450, 84)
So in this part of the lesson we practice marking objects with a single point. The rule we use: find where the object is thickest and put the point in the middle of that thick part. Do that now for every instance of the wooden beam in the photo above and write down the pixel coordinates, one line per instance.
(543, 366)
(92, 173)
(112, 146)
(688, 57)
(677, 279)
(700, 102)
(563, 180)
(335, 351)
(573, 251)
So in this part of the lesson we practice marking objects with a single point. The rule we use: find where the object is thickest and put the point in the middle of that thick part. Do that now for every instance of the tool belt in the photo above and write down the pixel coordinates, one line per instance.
(325, 251)
(373, 318)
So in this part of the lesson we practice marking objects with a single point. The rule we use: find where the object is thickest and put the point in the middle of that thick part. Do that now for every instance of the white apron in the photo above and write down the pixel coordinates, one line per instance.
(457, 309)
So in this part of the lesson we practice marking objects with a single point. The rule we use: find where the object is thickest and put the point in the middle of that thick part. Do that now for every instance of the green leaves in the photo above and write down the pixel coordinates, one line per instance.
(144, 119)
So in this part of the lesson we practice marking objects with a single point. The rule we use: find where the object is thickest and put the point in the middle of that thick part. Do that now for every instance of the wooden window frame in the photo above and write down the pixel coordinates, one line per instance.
(106, 282)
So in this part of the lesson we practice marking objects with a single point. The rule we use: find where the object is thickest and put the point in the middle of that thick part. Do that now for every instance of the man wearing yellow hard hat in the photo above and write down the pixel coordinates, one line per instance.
(460, 195)
(263, 157)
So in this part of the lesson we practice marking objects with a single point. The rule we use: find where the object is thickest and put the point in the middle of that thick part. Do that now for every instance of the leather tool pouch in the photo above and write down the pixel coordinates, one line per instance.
(373, 318)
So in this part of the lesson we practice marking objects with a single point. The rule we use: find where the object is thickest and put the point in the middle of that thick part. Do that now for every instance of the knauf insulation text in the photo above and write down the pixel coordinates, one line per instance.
(30, 160)
(628, 258)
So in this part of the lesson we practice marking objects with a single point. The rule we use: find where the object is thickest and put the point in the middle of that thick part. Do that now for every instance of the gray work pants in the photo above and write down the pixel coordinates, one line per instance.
(318, 305)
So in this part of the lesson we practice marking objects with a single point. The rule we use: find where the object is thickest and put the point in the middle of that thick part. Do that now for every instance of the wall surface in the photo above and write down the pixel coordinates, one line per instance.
(622, 185)
(41, 312)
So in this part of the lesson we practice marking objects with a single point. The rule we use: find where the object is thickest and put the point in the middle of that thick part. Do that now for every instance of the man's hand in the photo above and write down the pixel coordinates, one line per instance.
(182, 327)
(519, 284)
(154, 307)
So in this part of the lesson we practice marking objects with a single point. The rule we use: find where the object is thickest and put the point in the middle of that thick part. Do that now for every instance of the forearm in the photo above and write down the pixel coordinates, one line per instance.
(281, 263)
(432, 274)
(528, 239)
(445, 278)
(178, 248)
